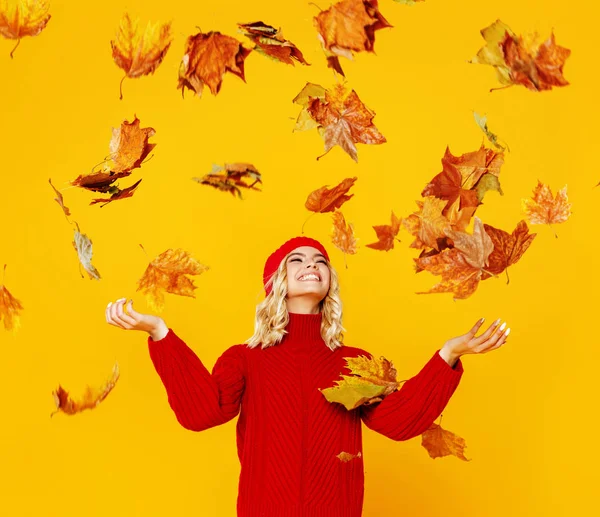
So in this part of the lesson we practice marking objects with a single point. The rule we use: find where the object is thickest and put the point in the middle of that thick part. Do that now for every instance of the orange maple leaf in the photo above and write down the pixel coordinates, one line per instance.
(462, 265)
(440, 442)
(19, 18)
(139, 52)
(427, 224)
(232, 177)
(346, 456)
(328, 199)
(348, 26)
(9, 308)
(270, 41)
(91, 397)
(167, 273)
(343, 235)
(542, 208)
(207, 57)
(466, 178)
(386, 234)
(523, 60)
(342, 119)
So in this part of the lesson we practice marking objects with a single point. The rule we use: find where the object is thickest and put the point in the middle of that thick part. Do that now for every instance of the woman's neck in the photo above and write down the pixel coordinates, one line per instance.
(304, 327)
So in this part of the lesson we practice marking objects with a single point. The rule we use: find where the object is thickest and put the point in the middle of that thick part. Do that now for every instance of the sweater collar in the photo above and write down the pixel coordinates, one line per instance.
(304, 328)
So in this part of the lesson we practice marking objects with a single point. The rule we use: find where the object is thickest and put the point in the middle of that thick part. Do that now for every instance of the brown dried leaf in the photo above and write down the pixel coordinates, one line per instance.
(386, 234)
(270, 41)
(9, 308)
(327, 200)
(116, 194)
(439, 442)
(232, 177)
(59, 199)
(346, 456)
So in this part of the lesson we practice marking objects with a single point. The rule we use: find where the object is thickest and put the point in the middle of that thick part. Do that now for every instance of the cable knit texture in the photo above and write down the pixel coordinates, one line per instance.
(288, 435)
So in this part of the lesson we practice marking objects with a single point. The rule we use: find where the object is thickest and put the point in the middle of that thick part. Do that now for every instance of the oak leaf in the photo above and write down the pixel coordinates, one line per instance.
(167, 273)
(543, 208)
(270, 41)
(508, 248)
(369, 381)
(343, 120)
(139, 52)
(348, 26)
(83, 246)
(440, 442)
(346, 456)
(523, 60)
(20, 18)
(232, 178)
(9, 308)
(466, 177)
(207, 57)
(60, 200)
(91, 397)
(343, 234)
(386, 234)
(462, 265)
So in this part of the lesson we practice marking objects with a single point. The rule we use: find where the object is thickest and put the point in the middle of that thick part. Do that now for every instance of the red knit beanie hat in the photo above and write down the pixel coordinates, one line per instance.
(277, 256)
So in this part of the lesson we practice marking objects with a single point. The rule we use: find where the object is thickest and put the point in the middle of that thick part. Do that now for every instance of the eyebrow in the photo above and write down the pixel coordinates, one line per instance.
(315, 255)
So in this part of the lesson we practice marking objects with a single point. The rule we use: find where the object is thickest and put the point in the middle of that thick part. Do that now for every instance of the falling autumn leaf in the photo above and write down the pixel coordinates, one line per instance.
(408, 2)
(20, 18)
(139, 52)
(83, 246)
(232, 177)
(348, 26)
(542, 208)
(439, 442)
(427, 224)
(466, 177)
(116, 194)
(270, 42)
(9, 307)
(328, 199)
(462, 265)
(207, 57)
(59, 199)
(481, 121)
(167, 273)
(370, 380)
(341, 118)
(91, 397)
(386, 234)
(508, 248)
(343, 234)
(522, 60)
(346, 456)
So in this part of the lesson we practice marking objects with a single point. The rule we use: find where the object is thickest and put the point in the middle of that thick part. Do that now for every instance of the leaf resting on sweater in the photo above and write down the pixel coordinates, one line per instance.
(346, 456)
(91, 397)
(370, 380)
(440, 442)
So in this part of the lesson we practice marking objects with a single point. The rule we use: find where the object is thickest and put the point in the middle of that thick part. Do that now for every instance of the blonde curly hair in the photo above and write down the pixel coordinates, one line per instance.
(272, 315)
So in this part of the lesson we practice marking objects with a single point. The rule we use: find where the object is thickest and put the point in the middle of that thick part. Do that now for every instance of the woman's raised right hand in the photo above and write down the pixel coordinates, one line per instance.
(133, 320)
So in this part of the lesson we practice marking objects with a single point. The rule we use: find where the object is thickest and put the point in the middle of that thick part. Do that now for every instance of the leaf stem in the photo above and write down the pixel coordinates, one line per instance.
(15, 48)
(121, 87)
(313, 213)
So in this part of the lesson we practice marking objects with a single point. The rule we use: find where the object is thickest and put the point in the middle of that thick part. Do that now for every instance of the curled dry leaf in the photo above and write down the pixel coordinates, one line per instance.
(386, 234)
(439, 442)
(232, 178)
(270, 41)
(60, 200)
(348, 26)
(522, 60)
(328, 199)
(116, 194)
(343, 234)
(369, 381)
(341, 118)
(9, 308)
(508, 248)
(207, 57)
(139, 52)
(481, 121)
(20, 18)
(91, 397)
(83, 246)
(462, 265)
(167, 273)
(346, 456)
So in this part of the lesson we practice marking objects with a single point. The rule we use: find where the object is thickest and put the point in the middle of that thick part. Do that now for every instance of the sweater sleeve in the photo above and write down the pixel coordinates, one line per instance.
(199, 399)
(410, 411)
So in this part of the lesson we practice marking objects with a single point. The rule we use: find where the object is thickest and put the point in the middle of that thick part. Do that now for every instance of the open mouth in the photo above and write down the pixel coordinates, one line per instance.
(307, 277)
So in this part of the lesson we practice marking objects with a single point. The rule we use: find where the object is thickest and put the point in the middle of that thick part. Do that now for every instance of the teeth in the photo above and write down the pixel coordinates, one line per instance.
(306, 277)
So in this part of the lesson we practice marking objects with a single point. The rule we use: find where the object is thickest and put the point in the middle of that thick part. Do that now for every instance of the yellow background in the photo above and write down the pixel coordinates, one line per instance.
(527, 411)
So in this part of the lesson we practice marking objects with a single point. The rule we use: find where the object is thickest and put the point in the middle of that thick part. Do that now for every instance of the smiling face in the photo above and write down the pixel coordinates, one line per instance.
(307, 275)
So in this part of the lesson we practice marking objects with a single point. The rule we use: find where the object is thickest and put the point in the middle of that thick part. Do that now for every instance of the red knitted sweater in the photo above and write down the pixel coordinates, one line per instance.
(288, 435)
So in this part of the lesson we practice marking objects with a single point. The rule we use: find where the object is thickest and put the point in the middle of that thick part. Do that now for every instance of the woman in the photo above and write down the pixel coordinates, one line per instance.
(288, 434)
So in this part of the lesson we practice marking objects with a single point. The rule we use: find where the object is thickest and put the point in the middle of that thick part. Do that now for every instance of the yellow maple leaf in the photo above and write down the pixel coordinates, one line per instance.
(139, 52)
(167, 273)
(20, 18)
